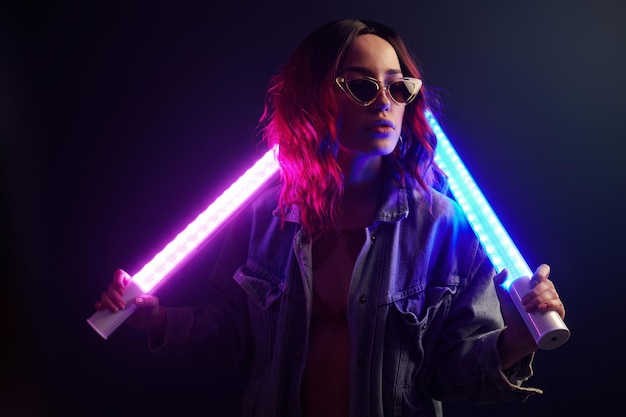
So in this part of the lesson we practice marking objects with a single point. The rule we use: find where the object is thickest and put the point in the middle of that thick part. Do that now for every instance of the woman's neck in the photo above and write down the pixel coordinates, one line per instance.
(363, 185)
(358, 170)
(360, 202)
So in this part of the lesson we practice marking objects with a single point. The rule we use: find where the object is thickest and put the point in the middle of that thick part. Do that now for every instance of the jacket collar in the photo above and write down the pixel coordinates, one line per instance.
(395, 205)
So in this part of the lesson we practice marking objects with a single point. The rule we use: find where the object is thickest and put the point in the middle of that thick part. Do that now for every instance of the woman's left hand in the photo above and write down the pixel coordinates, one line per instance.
(542, 296)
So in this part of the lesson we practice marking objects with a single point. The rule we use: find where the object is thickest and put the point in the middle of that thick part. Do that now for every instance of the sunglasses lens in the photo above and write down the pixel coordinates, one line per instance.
(403, 90)
(363, 89)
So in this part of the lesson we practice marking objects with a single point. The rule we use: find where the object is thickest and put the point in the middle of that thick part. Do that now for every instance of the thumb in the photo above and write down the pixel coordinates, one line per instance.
(148, 315)
(501, 277)
(146, 301)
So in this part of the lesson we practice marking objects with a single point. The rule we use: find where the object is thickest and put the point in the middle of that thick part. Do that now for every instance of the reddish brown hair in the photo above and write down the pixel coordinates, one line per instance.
(300, 116)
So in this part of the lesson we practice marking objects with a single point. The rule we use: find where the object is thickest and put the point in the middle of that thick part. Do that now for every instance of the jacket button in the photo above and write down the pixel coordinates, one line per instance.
(362, 299)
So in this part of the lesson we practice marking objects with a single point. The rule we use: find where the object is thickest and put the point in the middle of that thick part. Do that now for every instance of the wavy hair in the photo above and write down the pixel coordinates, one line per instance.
(300, 116)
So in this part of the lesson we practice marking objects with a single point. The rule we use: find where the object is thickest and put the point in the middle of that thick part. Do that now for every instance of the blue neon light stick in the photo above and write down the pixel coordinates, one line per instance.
(548, 329)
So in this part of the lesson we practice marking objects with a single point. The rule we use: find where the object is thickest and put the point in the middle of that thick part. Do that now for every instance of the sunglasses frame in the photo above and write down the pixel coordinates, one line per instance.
(342, 82)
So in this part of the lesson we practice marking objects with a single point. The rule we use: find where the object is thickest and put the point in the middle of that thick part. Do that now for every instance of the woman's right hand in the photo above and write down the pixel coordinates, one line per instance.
(148, 315)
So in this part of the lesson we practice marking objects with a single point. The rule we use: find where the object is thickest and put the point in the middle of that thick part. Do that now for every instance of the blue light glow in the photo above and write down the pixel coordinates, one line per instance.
(548, 329)
(497, 243)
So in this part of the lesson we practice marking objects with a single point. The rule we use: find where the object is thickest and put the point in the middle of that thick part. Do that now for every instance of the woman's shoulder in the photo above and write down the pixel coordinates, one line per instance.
(438, 205)
(266, 197)
(445, 203)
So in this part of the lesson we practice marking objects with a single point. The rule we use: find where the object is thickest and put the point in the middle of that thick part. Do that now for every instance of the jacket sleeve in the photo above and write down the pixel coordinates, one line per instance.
(216, 332)
(466, 363)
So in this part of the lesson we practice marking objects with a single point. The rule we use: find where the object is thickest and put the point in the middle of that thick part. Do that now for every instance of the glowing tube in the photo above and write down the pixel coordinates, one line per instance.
(155, 272)
(548, 329)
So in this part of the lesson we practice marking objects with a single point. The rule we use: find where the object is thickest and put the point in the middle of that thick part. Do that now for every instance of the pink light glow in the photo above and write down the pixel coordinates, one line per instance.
(177, 251)
(180, 249)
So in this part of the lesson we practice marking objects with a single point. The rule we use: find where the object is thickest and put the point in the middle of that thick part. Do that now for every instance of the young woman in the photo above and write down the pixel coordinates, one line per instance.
(354, 286)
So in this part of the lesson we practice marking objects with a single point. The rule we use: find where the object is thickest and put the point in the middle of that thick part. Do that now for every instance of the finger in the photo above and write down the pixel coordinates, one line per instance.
(541, 274)
(114, 294)
(120, 279)
(146, 301)
(501, 277)
(106, 302)
(540, 292)
(553, 305)
(544, 301)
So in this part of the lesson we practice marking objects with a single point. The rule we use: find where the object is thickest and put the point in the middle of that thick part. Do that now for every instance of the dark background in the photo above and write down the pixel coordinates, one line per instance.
(121, 121)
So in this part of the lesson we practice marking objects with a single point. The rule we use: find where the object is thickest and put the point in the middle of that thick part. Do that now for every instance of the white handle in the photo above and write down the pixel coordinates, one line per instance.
(105, 321)
(548, 329)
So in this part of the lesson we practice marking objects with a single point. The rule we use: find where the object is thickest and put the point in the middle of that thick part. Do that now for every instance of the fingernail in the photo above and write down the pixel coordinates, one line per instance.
(139, 301)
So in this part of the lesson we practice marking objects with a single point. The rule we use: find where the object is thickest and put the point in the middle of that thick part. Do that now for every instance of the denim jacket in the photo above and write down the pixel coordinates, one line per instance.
(423, 313)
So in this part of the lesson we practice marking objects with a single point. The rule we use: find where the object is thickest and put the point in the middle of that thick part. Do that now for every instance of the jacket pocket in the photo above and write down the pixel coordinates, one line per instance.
(418, 306)
(262, 288)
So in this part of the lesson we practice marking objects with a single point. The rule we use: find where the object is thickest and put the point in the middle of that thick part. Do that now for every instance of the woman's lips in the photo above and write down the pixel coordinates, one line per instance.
(380, 129)
(381, 123)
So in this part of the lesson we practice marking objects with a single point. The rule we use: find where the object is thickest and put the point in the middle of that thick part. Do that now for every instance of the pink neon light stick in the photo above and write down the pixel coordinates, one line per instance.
(170, 258)
(548, 330)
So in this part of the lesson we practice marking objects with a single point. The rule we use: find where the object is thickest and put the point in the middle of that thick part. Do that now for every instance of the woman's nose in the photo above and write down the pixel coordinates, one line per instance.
(382, 102)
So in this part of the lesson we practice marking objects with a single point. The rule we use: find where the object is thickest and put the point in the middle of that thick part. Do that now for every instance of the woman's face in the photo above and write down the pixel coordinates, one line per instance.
(366, 131)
